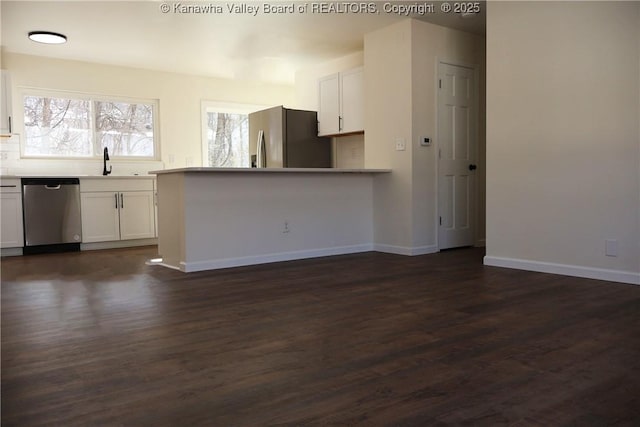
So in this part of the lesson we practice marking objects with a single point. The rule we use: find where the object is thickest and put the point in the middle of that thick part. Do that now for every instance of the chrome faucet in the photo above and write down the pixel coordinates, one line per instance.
(105, 157)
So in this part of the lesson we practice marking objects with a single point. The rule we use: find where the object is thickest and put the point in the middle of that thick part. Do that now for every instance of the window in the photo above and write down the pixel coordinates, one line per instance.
(125, 129)
(225, 134)
(228, 139)
(57, 127)
(82, 126)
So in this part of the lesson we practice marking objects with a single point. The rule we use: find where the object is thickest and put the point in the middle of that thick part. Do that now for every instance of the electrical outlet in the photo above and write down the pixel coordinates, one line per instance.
(611, 248)
(285, 228)
(4, 156)
(401, 144)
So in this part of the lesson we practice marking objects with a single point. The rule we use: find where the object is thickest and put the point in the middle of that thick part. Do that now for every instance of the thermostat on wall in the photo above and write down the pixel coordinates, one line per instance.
(425, 141)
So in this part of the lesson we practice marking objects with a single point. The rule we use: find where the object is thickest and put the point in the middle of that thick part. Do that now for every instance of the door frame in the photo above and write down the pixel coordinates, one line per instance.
(476, 104)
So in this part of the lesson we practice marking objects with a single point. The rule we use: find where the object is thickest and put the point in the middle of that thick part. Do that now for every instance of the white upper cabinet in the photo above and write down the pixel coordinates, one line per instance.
(329, 105)
(341, 103)
(6, 125)
(352, 101)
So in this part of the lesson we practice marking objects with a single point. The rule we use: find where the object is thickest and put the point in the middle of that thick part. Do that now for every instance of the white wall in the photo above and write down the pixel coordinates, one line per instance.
(563, 138)
(180, 99)
(400, 84)
(387, 77)
(431, 44)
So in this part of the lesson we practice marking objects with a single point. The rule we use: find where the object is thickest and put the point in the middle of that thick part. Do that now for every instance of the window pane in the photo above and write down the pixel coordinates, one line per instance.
(228, 139)
(57, 127)
(125, 129)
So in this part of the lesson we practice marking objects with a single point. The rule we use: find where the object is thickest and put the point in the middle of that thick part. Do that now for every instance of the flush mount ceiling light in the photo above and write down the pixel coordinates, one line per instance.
(47, 37)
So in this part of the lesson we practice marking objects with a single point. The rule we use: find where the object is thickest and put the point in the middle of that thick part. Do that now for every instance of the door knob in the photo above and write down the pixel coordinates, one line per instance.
(473, 167)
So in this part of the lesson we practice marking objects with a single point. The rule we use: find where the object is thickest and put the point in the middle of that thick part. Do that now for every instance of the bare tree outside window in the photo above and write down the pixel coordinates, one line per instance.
(66, 127)
(57, 127)
(125, 129)
(228, 139)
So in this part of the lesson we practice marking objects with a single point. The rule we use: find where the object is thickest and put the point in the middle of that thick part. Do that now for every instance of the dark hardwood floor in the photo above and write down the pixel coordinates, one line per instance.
(101, 339)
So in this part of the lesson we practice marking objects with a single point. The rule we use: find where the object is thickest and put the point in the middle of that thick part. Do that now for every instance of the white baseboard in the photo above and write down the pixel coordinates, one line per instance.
(405, 250)
(118, 244)
(629, 277)
(173, 267)
(215, 264)
(93, 246)
(10, 251)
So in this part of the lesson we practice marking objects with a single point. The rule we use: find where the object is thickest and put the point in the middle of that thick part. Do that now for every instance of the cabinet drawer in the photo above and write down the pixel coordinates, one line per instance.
(115, 184)
(10, 185)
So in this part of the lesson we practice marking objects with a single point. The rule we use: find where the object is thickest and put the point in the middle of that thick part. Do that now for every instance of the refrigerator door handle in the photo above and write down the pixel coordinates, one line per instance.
(261, 159)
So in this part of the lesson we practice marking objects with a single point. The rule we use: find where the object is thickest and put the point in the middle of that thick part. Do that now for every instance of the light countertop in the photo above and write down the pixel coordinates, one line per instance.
(270, 170)
(115, 177)
(71, 175)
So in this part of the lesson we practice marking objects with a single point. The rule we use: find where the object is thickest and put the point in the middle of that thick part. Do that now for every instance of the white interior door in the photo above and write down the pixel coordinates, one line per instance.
(457, 140)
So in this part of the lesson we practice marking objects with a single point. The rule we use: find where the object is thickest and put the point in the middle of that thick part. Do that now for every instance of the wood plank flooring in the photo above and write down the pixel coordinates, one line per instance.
(101, 339)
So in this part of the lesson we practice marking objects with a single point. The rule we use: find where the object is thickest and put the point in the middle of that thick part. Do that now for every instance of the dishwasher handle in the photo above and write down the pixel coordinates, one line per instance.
(52, 187)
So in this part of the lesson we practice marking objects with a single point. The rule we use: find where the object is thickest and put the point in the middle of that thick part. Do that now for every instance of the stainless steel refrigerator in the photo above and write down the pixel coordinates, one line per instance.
(285, 138)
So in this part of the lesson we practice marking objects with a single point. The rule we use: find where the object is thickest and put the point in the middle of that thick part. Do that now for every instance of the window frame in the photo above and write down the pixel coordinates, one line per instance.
(207, 106)
(92, 98)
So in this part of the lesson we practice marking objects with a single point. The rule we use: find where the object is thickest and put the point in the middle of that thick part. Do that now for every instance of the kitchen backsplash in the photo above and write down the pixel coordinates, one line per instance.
(12, 164)
(349, 152)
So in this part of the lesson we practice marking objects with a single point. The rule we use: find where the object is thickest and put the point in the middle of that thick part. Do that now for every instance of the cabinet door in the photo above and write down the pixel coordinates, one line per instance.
(100, 222)
(11, 214)
(5, 104)
(328, 105)
(137, 212)
(352, 100)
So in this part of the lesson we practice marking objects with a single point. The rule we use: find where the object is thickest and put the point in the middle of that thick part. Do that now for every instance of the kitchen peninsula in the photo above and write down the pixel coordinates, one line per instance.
(210, 218)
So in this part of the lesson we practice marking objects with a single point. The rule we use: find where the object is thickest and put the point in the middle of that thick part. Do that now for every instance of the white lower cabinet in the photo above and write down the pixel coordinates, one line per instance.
(100, 217)
(137, 213)
(11, 235)
(117, 215)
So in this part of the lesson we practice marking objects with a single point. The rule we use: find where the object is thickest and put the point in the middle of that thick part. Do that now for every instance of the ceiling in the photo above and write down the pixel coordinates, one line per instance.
(265, 47)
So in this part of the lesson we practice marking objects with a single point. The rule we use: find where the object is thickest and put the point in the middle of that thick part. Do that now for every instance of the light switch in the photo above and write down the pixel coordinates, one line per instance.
(611, 248)
(425, 141)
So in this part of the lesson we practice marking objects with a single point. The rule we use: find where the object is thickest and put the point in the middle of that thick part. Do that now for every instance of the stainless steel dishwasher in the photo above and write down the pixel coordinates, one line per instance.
(51, 214)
